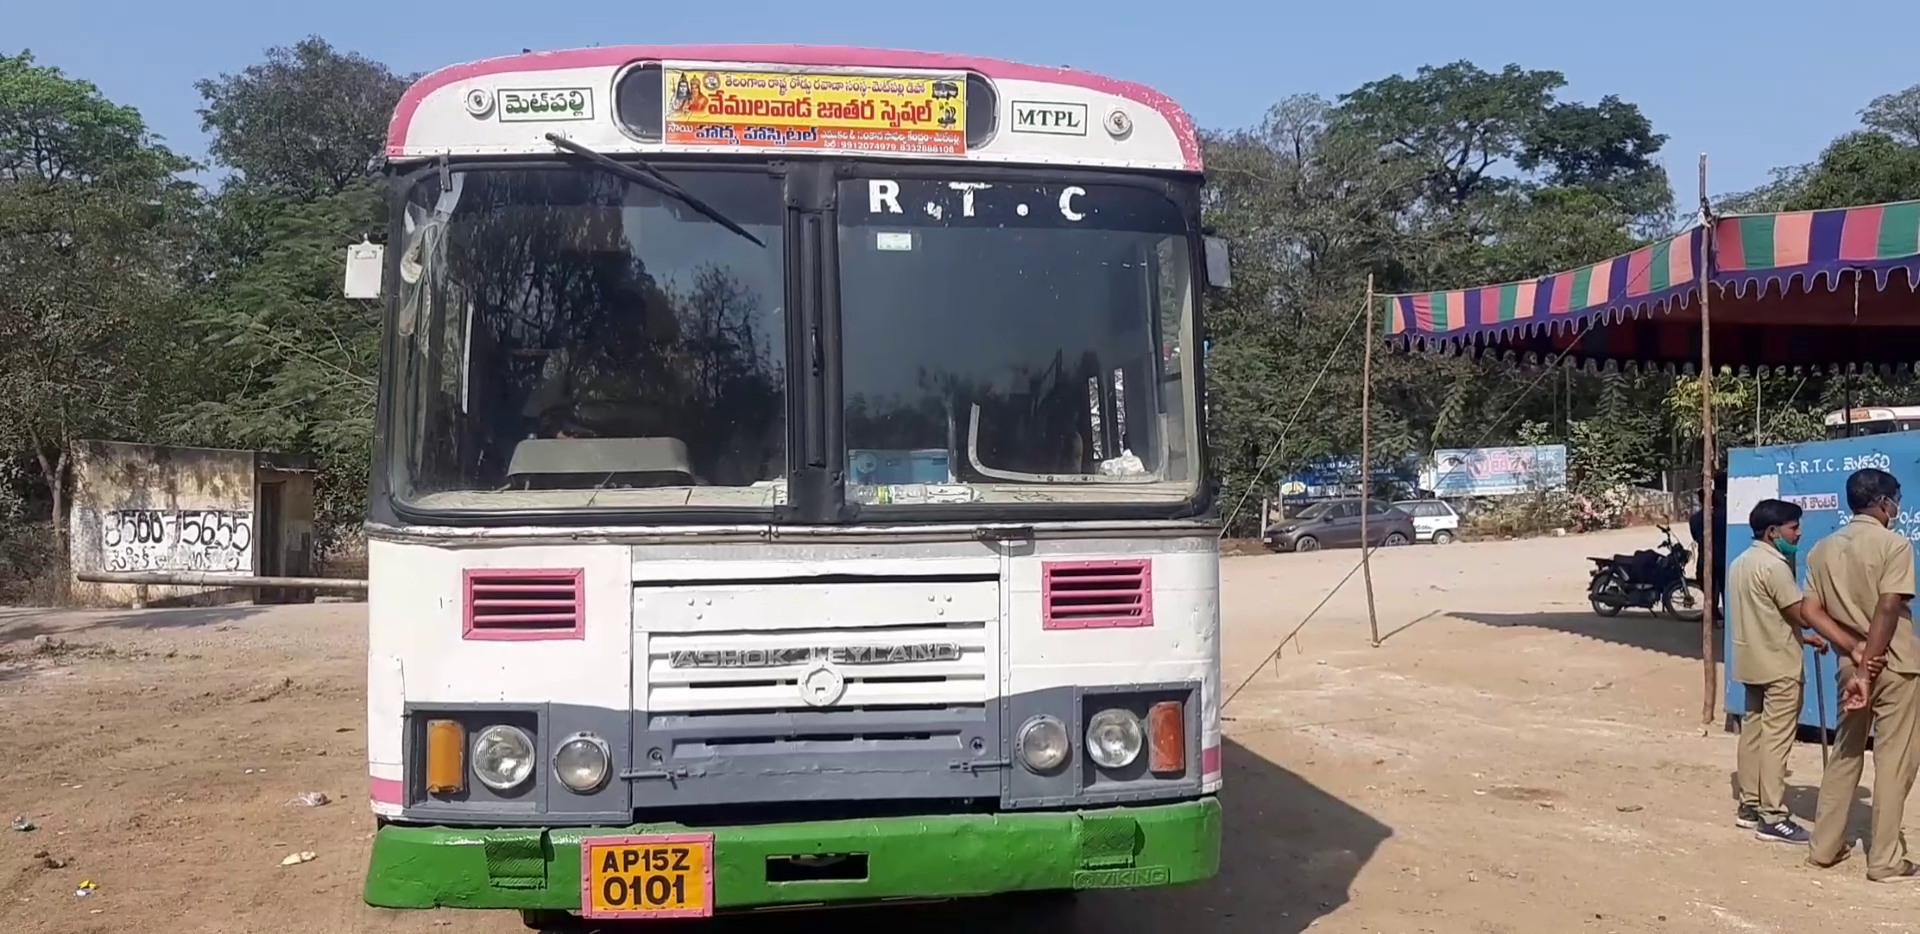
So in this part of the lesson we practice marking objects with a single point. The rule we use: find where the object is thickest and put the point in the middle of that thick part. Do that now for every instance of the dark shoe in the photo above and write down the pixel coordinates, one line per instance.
(1785, 831)
(1845, 855)
(1747, 818)
(1908, 872)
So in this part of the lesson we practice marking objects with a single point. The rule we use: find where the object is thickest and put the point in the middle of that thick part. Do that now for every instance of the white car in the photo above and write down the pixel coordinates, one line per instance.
(1433, 520)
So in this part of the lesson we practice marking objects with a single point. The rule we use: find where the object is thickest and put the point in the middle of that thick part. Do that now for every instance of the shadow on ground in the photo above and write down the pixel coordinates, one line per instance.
(23, 624)
(1636, 628)
(1290, 856)
(1803, 801)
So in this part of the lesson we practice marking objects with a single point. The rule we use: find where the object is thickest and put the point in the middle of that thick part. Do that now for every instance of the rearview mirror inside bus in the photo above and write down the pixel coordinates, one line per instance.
(1219, 267)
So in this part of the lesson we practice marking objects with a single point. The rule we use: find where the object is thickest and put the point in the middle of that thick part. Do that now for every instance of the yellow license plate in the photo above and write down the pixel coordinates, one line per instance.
(645, 877)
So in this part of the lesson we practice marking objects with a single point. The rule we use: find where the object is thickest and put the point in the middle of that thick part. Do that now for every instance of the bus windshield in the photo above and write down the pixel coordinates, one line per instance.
(1015, 341)
(1858, 429)
(570, 339)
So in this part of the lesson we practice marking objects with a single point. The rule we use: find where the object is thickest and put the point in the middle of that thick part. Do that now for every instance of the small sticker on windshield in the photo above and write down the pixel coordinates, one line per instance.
(893, 241)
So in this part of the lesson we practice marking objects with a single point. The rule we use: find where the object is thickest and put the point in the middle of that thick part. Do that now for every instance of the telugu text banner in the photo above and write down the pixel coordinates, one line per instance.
(890, 113)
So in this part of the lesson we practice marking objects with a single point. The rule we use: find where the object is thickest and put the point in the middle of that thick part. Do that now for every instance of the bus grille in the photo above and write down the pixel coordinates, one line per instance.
(917, 665)
(733, 703)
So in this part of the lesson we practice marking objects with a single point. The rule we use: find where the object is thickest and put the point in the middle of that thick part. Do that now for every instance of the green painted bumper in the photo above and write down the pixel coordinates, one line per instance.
(938, 856)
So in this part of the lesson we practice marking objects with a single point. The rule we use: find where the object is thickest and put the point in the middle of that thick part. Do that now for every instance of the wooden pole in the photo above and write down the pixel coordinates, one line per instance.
(1366, 465)
(1710, 673)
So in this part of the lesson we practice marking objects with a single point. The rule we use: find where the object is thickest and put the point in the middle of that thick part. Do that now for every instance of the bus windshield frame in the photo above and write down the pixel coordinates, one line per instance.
(793, 451)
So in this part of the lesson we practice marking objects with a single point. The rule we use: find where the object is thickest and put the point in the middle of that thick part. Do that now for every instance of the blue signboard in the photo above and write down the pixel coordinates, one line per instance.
(1332, 477)
(1814, 475)
(1497, 471)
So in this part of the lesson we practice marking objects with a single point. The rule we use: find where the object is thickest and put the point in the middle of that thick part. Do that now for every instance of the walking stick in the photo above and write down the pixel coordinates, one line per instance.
(1820, 701)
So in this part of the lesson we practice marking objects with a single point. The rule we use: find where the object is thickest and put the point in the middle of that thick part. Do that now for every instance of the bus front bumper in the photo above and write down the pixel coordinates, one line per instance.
(933, 856)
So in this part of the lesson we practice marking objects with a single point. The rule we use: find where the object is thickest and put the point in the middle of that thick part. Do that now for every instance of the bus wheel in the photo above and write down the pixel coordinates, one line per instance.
(549, 920)
(1047, 904)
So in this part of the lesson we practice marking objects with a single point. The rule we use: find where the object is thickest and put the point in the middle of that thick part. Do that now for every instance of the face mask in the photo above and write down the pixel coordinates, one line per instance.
(1893, 511)
(1786, 547)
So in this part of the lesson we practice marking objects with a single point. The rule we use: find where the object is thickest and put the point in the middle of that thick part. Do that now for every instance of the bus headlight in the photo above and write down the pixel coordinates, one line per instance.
(1043, 744)
(503, 757)
(582, 763)
(1114, 738)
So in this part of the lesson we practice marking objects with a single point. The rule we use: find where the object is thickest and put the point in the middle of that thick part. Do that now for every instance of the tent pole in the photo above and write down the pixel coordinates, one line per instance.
(1366, 464)
(1709, 670)
(1846, 398)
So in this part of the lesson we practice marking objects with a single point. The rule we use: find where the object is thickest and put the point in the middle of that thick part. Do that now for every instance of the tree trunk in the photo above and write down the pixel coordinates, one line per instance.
(62, 533)
(53, 472)
(50, 475)
(57, 483)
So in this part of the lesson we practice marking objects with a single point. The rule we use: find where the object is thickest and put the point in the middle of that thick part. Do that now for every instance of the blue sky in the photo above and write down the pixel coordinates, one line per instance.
(1754, 84)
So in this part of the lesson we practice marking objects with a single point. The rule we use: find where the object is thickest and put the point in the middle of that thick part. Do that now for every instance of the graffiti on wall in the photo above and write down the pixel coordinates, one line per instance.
(177, 540)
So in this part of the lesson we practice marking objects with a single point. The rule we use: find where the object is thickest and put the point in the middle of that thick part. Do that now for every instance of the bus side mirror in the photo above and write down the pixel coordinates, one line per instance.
(366, 266)
(1219, 264)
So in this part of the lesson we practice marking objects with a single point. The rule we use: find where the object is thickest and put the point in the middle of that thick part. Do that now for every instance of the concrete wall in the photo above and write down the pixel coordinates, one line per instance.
(142, 507)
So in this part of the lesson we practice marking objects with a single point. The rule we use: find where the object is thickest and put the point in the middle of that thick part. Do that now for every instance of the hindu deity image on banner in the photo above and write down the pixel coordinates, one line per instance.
(916, 114)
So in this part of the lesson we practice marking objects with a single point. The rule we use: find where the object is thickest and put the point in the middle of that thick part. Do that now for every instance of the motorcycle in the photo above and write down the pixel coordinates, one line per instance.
(1646, 579)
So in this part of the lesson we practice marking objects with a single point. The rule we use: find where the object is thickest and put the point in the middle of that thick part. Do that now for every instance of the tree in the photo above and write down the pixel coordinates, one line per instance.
(1310, 210)
(1862, 167)
(1457, 123)
(1879, 162)
(90, 213)
(1607, 149)
(291, 364)
(309, 120)
(1465, 126)
(1896, 114)
(1454, 176)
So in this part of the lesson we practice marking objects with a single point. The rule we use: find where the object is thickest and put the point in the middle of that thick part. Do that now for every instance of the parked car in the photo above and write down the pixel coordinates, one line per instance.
(1434, 520)
(1335, 523)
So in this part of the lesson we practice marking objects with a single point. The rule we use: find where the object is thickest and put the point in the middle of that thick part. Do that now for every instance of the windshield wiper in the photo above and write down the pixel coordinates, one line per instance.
(647, 176)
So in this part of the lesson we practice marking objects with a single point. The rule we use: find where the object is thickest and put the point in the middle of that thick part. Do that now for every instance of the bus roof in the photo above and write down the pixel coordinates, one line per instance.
(1055, 116)
(1878, 413)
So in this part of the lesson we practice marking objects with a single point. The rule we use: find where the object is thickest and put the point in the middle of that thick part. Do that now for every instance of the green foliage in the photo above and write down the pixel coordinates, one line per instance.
(1454, 176)
(294, 362)
(91, 225)
(284, 362)
(308, 120)
(1863, 167)
(1879, 162)
(1897, 115)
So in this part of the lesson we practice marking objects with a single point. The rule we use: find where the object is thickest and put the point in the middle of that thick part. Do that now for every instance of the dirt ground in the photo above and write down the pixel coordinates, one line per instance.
(1506, 763)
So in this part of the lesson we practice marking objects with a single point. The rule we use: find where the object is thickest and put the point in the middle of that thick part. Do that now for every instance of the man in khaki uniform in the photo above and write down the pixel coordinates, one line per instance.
(1863, 577)
(1769, 617)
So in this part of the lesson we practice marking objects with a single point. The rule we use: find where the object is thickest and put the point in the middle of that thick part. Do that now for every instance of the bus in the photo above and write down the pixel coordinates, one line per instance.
(788, 486)
(1875, 420)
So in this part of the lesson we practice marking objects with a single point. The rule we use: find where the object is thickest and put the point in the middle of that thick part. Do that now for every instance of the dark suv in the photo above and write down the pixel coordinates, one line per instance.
(1335, 523)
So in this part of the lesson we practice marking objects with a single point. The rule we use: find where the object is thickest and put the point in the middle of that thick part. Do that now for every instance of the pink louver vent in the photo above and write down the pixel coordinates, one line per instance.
(525, 604)
(1096, 594)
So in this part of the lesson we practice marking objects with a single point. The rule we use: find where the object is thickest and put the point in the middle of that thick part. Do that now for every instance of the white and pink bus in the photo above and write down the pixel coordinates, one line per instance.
(789, 486)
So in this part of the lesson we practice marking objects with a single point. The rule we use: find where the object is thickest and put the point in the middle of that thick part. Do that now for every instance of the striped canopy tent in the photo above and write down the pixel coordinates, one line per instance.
(1797, 290)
